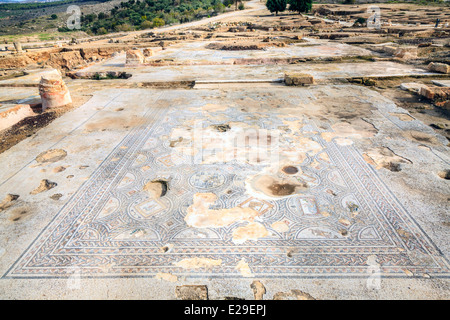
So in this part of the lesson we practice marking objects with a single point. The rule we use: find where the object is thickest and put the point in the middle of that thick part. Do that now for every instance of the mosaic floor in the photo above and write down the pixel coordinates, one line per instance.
(342, 222)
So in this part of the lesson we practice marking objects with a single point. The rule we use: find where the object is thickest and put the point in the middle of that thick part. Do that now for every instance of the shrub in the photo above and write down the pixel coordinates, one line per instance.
(63, 29)
(241, 6)
(219, 7)
(102, 31)
(158, 22)
(146, 25)
(361, 20)
(123, 27)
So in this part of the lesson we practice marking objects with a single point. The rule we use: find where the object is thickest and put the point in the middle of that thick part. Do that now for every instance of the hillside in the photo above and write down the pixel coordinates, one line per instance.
(100, 16)
(24, 18)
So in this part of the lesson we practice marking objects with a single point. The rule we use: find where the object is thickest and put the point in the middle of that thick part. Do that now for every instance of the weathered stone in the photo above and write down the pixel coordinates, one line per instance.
(412, 86)
(134, 57)
(8, 201)
(18, 46)
(258, 290)
(426, 92)
(44, 186)
(148, 52)
(54, 92)
(439, 67)
(192, 292)
(406, 53)
(435, 93)
(443, 104)
(66, 59)
(298, 79)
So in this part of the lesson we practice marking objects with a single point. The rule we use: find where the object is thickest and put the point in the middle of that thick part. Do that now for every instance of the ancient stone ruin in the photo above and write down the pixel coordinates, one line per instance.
(53, 91)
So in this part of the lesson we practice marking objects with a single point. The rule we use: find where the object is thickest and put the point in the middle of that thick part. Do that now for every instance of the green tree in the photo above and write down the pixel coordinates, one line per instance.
(158, 22)
(54, 16)
(276, 6)
(300, 5)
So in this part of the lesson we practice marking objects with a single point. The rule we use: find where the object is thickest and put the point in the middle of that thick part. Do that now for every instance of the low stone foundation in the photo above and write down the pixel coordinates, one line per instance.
(298, 79)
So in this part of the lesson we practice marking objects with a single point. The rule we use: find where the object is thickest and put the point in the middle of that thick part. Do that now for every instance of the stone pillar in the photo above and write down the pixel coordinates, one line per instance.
(53, 91)
(18, 46)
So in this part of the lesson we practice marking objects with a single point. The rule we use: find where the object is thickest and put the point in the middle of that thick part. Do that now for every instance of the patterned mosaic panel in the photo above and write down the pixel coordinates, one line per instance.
(112, 228)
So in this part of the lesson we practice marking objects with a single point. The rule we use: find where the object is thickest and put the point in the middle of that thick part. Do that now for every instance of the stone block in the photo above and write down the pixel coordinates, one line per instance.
(439, 67)
(406, 53)
(298, 79)
(435, 93)
(426, 92)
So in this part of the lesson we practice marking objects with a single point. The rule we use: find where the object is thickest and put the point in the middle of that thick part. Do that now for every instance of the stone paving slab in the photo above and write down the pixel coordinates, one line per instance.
(9, 96)
(441, 83)
(412, 86)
